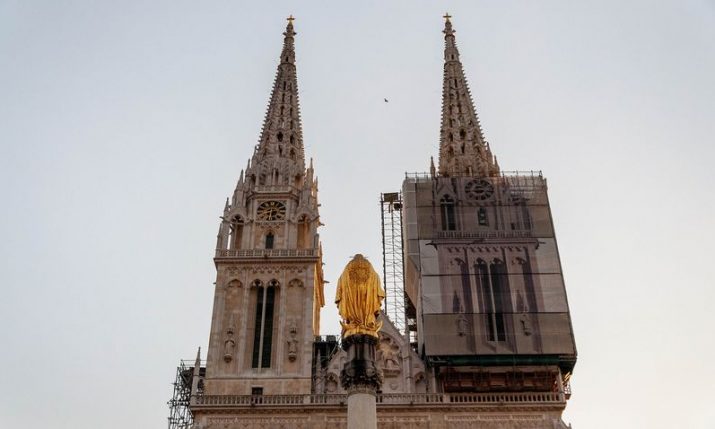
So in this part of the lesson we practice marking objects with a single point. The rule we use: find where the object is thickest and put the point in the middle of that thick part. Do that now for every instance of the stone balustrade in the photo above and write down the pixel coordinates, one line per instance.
(385, 399)
(275, 189)
(266, 253)
(484, 234)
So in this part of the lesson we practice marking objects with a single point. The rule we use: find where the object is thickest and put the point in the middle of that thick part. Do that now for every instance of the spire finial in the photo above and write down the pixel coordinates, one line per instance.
(448, 26)
(289, 28)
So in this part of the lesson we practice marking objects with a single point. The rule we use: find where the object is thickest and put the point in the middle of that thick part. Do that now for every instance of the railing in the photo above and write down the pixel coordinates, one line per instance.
(285, 189)
(382, 399)
(266, 253)
(514, 179)
(530, 173)
(484, 234)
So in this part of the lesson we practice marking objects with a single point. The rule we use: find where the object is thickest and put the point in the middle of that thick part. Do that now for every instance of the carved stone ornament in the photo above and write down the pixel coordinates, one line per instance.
(233, 271)
(292, 342)
(234, 283)
(229, 345)
(388, 356)
(360, 372)
(479, 189)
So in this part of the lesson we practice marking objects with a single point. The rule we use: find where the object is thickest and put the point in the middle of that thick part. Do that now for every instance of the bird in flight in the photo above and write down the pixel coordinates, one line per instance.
(386, 100)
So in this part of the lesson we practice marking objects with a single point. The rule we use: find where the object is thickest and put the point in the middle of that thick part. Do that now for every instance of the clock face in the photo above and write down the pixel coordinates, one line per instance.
(271, 210)
(479, 190)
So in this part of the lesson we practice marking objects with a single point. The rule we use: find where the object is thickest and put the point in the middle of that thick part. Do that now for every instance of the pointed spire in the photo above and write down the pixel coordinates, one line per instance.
(281, 139)
(197, 363)
(196, 380)
(462, 145)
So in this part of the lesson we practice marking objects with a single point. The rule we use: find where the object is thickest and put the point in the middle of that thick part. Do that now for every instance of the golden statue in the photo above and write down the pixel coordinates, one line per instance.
(359, 297)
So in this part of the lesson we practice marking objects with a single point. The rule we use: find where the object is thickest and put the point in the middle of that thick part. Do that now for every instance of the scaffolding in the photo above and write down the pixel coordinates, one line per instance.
(180, 416)
(393, 278)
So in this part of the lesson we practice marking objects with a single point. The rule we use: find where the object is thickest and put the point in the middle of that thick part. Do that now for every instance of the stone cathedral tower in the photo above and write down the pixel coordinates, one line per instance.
(488, 340)
(269, 282)
(482, 267)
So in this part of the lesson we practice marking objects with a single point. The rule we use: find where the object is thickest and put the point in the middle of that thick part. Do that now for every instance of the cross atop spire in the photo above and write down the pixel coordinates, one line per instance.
(289, 28)
(463, 151)
(448, 31)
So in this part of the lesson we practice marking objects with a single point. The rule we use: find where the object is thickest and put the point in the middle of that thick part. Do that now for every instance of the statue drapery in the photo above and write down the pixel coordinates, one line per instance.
(359, 297)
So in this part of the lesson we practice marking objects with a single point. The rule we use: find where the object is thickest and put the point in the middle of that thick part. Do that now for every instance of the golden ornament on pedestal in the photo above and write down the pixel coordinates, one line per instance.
(359, 297)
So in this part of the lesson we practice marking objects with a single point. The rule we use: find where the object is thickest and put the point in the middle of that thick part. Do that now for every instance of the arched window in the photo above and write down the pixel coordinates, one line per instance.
(494, 297)
(482, 216)
(236, 232)
(263, 329)
(303, 232)
(269, 240)
(447, 210)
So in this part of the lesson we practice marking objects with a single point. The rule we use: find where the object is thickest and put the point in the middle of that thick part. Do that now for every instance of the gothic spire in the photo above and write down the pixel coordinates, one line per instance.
(281, 142)
(462, 149)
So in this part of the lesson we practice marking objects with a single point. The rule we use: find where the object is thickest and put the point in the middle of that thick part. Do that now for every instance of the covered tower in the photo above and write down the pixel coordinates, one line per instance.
(482, 266)
(269, 285)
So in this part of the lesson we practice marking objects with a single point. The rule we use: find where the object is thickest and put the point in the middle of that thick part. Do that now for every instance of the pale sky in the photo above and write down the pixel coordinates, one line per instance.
(124, 125)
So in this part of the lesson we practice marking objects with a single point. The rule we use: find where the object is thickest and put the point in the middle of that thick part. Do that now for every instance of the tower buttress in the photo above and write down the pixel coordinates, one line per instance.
(463, 150)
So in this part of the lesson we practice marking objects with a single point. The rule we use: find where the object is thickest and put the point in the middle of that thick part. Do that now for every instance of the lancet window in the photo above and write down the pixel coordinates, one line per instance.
(236, 232)
(495, 298)
(303, 233)
(482, 218)
(263, 330)
(447, 210)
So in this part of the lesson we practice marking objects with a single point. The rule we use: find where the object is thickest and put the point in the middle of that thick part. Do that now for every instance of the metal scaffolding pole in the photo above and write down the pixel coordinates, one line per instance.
(393, 279)
(180, 416)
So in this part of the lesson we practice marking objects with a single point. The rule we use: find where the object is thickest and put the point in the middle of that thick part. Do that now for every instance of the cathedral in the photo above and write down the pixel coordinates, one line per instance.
(485, 340)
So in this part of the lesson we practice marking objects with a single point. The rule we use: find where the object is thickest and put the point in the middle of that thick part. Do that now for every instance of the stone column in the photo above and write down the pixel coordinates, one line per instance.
(361, 379)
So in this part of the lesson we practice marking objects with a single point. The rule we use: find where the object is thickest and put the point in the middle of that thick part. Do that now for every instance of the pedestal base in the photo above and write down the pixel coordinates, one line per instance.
(362, 412)
(360, 371)
(361, 378)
